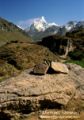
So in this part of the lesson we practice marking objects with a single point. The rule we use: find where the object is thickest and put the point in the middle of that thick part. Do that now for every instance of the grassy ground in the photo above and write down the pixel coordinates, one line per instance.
(22, 55)
(7, 70)
(10, 32)
(78, 62)
(12, 36)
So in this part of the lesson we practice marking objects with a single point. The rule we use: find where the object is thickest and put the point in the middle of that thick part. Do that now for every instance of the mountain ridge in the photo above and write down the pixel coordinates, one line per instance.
(41, 28)
(11, 32)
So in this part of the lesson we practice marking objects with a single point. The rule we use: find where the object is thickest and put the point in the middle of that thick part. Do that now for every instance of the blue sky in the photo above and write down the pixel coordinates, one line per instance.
(58, 11)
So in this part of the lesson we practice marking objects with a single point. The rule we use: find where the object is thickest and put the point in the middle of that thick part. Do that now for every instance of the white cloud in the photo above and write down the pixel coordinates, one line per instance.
(26, 23)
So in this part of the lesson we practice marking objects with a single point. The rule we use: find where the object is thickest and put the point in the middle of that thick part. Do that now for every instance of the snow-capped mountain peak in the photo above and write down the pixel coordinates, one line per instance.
(70, 25)
(40, 24)
(53, 24)
(41, 28)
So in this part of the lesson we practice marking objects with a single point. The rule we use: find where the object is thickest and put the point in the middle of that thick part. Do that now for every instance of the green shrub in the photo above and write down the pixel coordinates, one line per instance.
(76, 55)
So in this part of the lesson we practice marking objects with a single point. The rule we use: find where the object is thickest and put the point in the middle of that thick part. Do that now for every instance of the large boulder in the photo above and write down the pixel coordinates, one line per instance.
(26, 92)
(59, 67)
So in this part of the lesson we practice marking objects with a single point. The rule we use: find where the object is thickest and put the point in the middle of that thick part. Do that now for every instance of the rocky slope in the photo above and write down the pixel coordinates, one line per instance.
(71, 44)
(28, 93)
(10, 32)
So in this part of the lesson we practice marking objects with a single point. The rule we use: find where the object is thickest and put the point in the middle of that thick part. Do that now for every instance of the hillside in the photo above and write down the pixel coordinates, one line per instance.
(10, 32)
(69, 46)
(17, 56)
(78, 37)
(76, 33)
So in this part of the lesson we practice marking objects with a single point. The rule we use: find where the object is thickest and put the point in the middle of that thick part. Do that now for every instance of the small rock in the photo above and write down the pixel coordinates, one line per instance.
(41, 69)
(59, 67)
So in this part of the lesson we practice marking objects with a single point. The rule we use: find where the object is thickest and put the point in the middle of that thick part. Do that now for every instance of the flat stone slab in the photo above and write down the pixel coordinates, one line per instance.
(59, 67)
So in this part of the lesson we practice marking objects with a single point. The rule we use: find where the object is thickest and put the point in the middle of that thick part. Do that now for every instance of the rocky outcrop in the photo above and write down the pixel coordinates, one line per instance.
(28, 92)
(60, 45)
(34, 91)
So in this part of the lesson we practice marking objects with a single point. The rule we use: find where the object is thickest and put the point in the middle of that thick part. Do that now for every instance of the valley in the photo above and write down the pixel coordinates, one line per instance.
(43, 72)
